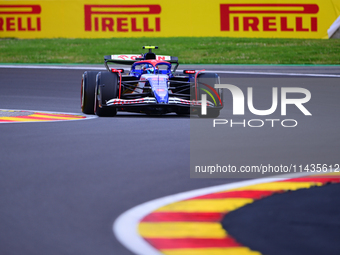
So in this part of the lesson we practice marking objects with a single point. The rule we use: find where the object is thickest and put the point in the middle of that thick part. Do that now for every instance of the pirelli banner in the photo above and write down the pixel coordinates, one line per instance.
(223, 18)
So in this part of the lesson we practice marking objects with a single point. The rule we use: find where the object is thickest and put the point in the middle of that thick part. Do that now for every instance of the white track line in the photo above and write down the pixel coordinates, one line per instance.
(208, 71)
(278, 74)
(53, 67)
(125, 227)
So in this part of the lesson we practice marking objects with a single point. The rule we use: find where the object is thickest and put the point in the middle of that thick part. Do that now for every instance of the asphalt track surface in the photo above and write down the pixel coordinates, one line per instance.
(310, 216)
(63, 184)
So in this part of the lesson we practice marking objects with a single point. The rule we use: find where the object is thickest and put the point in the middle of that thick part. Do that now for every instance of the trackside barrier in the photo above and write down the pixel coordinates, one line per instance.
(132, 18)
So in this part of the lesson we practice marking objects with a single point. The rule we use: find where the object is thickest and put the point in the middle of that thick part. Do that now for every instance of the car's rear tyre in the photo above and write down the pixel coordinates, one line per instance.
(206, 85)
(106, 89)
(88, 87)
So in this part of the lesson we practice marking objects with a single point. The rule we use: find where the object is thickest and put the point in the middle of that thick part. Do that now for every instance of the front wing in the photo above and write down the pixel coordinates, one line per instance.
(151, 101)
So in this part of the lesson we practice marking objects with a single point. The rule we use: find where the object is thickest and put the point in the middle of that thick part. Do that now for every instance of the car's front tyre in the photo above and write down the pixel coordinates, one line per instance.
(88, 85)
(106, 89)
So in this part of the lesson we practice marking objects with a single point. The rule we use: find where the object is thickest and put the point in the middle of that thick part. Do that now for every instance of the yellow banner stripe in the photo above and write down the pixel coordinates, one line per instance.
(206, 205)
(212, 251)
(275, 186)
(181, 230)
(214, 18)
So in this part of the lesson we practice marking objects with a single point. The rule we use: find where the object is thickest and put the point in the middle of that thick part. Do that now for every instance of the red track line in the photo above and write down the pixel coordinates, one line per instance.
(7, 120)
(183, 217)
(320, 179)
(255, 194)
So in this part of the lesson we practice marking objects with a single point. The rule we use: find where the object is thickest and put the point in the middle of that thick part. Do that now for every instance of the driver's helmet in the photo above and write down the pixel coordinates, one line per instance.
(148, 68)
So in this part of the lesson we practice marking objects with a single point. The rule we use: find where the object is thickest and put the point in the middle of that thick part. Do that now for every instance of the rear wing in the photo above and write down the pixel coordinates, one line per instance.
(129, 59)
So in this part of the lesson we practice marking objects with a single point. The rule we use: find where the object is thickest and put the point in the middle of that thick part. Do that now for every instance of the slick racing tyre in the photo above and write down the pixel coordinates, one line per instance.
(106, 89)
(88, 86)
(206, 85)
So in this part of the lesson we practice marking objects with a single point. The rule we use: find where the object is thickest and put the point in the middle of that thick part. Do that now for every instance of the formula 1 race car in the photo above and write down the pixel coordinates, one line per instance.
(151, 86)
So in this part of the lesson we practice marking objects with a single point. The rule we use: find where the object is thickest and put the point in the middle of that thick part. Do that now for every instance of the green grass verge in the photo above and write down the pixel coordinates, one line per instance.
(198, 50)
